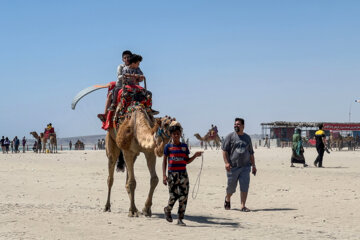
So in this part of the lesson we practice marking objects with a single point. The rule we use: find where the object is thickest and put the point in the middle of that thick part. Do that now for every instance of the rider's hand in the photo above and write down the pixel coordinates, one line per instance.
(165, 180)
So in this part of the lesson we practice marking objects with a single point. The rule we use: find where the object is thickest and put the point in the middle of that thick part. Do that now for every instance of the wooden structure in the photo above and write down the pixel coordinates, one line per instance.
(284, 130)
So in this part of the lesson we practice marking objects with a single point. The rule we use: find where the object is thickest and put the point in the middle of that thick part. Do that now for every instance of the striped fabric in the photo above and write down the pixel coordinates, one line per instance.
(177, 157)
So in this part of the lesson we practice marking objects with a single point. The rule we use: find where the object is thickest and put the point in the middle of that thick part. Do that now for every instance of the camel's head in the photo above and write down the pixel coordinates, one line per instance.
(162, 135)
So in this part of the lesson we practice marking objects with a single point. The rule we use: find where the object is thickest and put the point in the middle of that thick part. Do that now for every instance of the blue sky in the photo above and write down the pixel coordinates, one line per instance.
(206, 62)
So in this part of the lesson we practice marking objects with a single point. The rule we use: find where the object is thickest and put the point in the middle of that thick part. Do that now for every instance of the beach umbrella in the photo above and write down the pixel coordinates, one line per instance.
(85, 92)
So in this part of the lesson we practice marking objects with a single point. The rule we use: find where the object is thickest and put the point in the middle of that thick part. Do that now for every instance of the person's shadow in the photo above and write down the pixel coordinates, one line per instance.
(270, 209)
(206, 221)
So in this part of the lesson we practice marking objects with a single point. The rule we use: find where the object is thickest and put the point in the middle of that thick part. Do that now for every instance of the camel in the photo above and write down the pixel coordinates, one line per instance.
(43, 141)
(139, 132)
(79, 145)
(52, 143)
(207, 139)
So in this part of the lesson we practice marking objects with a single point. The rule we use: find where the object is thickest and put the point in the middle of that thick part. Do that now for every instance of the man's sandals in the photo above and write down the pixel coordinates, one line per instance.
(245, 209)
(227, 205)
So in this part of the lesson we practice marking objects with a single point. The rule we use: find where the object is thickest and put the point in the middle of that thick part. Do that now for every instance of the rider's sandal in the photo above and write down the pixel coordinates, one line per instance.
(101, 117)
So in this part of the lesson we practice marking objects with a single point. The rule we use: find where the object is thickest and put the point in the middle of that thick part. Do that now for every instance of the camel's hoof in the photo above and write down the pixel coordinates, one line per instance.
(133, 213)
(107, 208)
(147, 212)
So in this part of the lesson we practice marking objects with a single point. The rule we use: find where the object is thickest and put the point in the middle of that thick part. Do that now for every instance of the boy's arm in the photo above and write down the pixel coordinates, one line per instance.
(164, 165)
(197, 154)
(139, 75)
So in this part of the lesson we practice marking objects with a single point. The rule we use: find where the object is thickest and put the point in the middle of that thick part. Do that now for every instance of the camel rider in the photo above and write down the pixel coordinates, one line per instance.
(49, 130)
(212, 131)
(132, 91)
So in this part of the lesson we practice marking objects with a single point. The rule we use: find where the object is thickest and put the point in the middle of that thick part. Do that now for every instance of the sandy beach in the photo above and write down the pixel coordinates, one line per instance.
(62, 196)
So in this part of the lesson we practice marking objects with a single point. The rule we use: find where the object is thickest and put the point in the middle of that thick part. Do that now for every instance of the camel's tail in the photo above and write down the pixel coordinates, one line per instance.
(120, 164)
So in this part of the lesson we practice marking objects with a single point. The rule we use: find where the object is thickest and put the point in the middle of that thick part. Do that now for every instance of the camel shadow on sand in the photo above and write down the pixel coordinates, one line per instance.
(205, 221)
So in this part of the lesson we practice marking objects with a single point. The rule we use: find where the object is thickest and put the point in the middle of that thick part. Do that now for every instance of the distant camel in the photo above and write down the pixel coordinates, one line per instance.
(207, 139)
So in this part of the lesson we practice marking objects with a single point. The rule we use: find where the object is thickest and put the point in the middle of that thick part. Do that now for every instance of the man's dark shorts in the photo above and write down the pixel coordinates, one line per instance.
(241, 174)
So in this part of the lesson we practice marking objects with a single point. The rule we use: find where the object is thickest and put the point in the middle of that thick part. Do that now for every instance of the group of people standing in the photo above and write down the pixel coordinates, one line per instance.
(14, 145)
(101, 144)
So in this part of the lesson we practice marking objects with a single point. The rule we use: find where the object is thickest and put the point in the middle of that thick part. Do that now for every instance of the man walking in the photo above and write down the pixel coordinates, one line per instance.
(238, 157)
(320, 146)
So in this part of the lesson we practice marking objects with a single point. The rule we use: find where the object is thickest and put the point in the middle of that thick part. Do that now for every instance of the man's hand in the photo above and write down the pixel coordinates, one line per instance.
(165, 180)
(254, 170)
(227, 167)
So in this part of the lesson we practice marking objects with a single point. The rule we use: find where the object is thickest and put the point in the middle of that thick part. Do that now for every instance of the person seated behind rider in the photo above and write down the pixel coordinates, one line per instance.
(120, 77)
(132, 76)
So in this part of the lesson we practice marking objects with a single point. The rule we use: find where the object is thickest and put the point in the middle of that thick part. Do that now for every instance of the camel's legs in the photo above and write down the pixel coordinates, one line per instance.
(154, 180)
(210, 145)
(112, 152)
(130, 181)
(44, 147)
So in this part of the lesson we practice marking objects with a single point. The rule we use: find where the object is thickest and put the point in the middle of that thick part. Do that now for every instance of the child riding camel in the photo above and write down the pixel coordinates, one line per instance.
(131, 90)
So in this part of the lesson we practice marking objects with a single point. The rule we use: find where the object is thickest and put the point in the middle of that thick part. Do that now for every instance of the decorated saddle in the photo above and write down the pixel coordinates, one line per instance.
(129, 97)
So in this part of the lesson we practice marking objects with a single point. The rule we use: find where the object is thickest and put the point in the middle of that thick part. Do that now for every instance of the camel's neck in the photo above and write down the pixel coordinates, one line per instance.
(35, 135)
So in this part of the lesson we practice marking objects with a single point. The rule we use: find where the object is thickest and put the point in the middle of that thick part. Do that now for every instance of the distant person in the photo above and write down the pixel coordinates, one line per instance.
(238, 157)
(49, 130)
(16, 144)
(7, 144)
(99, 144)
(70, 145)
(23, 143)
(12, 146)
(177, 155)
(320, 146)
(267, 144)
(297, 149)
(2, 144)
(35, 147)
(38, 145)
(103, 144)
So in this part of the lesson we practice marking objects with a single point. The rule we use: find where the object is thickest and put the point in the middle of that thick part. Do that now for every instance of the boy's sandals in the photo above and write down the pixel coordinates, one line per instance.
(245, 209)
(181, 223)
(167, 215)
(101, 117)
(227, 205)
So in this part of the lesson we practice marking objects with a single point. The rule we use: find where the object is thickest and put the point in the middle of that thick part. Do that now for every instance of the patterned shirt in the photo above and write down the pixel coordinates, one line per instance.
(178, 155)
(128, 70)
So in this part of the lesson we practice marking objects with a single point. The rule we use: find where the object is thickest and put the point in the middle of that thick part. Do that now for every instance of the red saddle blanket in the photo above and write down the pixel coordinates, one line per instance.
(126, 101)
